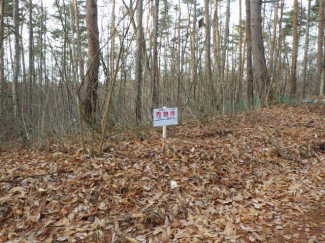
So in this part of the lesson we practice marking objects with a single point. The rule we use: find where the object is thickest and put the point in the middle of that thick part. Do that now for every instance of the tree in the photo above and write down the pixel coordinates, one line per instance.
(30, 60)
(261, 73)
(154, 66)
(17, 59)
(91, 82)
(138, 61)
(216, 40)
(320, 43)
(304, 75)
(2, 75)
(249, 68)
(207, 48)
(240, 64)
(294, 51)
(273, 42)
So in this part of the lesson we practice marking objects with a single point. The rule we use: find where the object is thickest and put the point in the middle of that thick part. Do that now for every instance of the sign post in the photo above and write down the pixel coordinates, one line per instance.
(165, 117)
(164, 128)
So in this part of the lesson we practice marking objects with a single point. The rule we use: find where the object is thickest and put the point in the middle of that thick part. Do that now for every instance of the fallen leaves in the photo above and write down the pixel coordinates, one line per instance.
(251, 178)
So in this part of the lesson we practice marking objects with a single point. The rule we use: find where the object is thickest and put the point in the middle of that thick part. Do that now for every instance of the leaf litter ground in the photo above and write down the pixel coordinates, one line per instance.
(256, 177)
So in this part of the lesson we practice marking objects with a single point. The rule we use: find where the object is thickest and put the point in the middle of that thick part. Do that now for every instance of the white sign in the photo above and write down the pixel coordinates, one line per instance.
(165, 117)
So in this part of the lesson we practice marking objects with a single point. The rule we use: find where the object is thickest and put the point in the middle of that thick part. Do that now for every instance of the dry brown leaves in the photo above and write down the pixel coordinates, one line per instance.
(249, 178)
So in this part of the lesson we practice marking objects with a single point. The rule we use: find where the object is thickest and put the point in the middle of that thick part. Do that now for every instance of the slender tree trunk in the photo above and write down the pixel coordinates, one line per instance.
(216, 39)
(112, 61)
(278, 59)
(320, 43)
(293, 86)
(17, 60)
(2, 75)
(304, 74)
(90, 99)
(154, 65)
(240, 64)
(178, 102)
(225, 41)
(193, 50)
(80, 58)
(139, 60)
(81, 76)
(30, 61)
(273, 42)
(208, 50)
(261, 73)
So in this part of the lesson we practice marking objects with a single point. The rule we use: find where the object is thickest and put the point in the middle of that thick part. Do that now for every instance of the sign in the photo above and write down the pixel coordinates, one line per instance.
(165, 117)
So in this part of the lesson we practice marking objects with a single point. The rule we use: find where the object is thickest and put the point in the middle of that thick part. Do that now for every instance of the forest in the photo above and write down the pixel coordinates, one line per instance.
(80, 160)
(65, 63)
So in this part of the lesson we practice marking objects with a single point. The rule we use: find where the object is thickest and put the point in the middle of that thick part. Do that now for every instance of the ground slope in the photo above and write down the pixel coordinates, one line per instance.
(255, 177)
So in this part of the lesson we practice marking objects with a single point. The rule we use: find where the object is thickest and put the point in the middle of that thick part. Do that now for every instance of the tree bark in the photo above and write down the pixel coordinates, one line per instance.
(139, 60)
(91, 82)
(293, 86)
(112, 61)
(240, 64)
(320, 42)
(273, 41)
(207, 49)
(216, 40)
(30, 61)
(304, 74)
(2, 75)
(225, 41)
(154, 65)
(178, 101)
(17, 59)
(261, 73)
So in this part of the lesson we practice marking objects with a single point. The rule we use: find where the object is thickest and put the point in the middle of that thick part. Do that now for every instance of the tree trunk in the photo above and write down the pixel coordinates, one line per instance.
(30, 61)
(139, 60)
(2, 75)
(178, 101)
(112, 61)
(80, 59)
(154, 65)
(294, 51)
(304, 73)
(207, 50)
(279, 64)
(240, 64)
(225, 41)
(91, 82)
(17, 60)
(79, 63)
(216, 39)
(320, 42)
(273, 41)
(261, 73)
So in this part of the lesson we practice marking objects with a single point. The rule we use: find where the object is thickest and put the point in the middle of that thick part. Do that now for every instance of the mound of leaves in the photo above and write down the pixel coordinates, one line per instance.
(256, 177)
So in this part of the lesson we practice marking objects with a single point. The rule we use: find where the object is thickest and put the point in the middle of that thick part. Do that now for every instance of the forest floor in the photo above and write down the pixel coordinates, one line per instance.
(251, 177)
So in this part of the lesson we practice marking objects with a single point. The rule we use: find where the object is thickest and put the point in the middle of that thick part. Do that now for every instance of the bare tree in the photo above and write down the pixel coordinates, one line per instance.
(261, 73)
(17, 60)
(91, 82)
(2, 75)
(154, 66)
(240, 64)
(304, 74)
(139, 60)
(293, 85)
(208, 48)
(320, 43)
(30, 60)
(249, 68)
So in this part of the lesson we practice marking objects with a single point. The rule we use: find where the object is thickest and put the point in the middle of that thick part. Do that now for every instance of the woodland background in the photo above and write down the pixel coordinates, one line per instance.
(65, 70)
